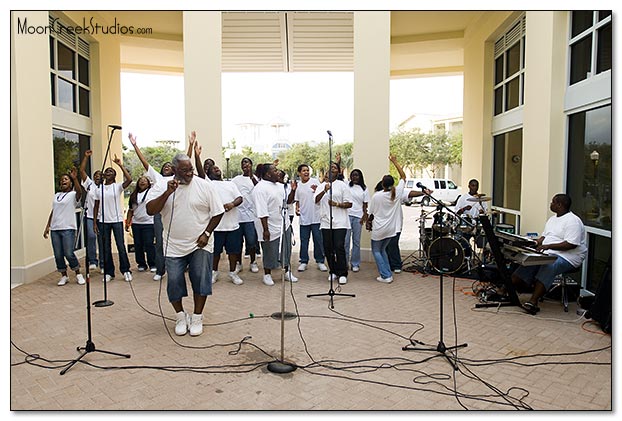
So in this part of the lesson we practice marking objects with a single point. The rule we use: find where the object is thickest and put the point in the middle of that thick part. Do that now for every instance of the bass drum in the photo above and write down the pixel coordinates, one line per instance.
(448, 255)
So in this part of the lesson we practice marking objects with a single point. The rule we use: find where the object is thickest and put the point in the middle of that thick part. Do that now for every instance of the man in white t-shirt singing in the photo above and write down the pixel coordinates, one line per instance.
(563, 236)
(191, 209)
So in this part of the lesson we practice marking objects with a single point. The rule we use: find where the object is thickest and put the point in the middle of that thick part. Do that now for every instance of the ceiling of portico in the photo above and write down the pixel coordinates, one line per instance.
(422, 42)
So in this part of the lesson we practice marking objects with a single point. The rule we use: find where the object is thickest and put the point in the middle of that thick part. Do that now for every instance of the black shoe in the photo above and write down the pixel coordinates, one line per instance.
(530, 308)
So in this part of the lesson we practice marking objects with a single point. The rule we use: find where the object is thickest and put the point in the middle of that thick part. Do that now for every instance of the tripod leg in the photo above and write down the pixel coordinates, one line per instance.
(72, 363)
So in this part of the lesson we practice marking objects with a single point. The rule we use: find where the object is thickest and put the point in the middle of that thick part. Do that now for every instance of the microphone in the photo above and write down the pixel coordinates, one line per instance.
(114, 127)
(421, 186)
(329, 133)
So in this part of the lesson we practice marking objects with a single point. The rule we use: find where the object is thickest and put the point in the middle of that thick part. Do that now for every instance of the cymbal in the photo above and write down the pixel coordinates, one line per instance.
(479, 199)
(424, 217)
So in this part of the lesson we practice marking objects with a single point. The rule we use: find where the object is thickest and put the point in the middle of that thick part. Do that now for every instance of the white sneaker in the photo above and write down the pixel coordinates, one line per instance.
(267, 279)
(290, 277)
(142, 269)
(235, 278)
(181, 324)
(127, 276)
(385, 280)
(343, 280)
(214, 276)
(254, 267)
(80, 279)
(238, 267)
(107, 278)
(397, 271)
(92, 266)
(63, 281)
(332, 277)
(102, 270)
(355, 268)
(157, 277)
(302, 267)
(153, 270)
(196, 324)
(322, 267)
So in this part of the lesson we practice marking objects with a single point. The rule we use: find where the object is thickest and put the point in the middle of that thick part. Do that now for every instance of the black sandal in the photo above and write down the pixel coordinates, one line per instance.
(530, 308)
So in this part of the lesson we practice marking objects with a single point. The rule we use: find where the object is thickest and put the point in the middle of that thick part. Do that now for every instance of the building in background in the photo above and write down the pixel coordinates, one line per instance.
(537, 95)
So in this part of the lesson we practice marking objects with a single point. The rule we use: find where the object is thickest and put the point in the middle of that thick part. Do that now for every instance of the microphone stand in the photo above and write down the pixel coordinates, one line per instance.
(105, 302)
(331, 291)
(89, 346)
(281, 366)
(440, 347)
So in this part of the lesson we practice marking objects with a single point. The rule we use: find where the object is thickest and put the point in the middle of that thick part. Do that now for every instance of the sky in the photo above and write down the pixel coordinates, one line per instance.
(311, 103)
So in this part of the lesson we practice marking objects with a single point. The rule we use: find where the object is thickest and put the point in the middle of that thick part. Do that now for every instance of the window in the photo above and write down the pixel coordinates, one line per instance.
(451, 185)
(590, 44)
(509, 68)
(589, 181)
(506, 190)
(69, 67)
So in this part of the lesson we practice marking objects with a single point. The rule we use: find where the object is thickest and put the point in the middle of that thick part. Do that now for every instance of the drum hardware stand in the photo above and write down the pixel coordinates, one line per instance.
(421, 260)
(440, 347)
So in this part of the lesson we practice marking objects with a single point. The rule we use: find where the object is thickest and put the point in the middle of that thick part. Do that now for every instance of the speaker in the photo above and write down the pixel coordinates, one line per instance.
(600, 310)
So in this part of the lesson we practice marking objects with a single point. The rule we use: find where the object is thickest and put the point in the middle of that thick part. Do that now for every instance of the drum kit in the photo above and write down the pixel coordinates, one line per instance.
(454, 244)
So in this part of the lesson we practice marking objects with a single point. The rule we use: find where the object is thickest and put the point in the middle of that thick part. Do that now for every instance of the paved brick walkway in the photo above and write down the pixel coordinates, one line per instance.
(349, 357)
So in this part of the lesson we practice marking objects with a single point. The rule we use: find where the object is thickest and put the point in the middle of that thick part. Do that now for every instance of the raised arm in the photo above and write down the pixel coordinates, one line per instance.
(192, 138)
(76, 183)
(398, 167)
(140, 155)
(85, 158)
(197, 160)
(127, 177)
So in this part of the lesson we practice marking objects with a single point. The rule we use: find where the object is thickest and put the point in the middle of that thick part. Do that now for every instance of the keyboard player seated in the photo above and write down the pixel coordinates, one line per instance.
(563, 236)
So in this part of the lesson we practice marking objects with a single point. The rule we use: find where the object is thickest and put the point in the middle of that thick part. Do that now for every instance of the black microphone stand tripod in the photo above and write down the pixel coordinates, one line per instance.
(89, 346)
(436, 260)
(331, 291)
(105, 302)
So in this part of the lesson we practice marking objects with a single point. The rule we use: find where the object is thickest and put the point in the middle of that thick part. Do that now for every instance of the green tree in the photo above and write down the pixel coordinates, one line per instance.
(156, 156)
(235, 160)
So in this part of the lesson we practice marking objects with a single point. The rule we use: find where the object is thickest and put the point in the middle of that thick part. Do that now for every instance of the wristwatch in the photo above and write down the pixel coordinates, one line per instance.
(207, 233)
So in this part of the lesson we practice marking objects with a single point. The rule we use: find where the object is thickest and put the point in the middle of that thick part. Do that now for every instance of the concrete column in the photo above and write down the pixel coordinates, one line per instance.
(202, 80)
(544, 123)
(32, 178)
(372, 69)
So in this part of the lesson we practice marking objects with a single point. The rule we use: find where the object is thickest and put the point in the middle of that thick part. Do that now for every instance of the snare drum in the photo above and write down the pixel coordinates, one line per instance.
(466, 225)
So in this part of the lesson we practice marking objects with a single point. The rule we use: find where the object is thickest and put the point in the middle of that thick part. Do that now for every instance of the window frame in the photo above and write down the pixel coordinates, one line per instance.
(592, 31)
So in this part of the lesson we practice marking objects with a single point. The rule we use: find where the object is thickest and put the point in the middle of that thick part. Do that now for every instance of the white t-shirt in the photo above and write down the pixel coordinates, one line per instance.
(228, 192)
(341, 193)
(111, 209)
(386, 212)
(309, 210)
(268, 199)
(400, 213)
(359, 196)
(475, 206)
(140, 209)
(570, 228)
(64, 211)
(186, 214)
(246, 210)
(155, 176)
(91, 194)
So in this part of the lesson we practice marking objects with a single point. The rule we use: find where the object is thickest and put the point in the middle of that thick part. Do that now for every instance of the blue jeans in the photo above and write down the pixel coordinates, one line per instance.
(143, 244)
(199, 264)
(355, 234)
(249, 235)
(159, 244)
(544, 273)
(318, 249)
(394, 253)
(379, 250)
(115, 228)
(91, 241)
(63, 243)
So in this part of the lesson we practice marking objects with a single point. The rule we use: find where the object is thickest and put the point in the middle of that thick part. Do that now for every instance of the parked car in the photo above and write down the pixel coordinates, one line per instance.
(444, 189)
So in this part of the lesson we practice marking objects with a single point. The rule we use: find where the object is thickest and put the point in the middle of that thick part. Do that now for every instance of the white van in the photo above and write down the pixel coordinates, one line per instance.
(444, 189)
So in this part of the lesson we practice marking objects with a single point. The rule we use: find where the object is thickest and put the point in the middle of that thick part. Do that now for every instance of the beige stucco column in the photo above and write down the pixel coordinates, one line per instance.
(32, 169)
(543, 116)
(372, 68)
(202, 80)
